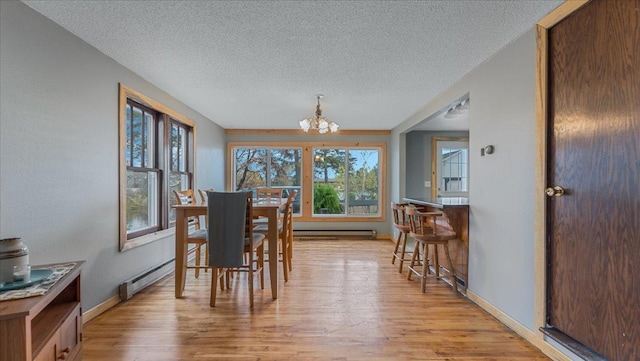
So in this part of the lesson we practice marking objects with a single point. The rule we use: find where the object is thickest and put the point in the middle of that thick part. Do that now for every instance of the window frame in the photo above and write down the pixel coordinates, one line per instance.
(441, 190)
(347, 150)
(434, 161)
(188, 160)
(156, 164)
(164, 117)
(306, 206)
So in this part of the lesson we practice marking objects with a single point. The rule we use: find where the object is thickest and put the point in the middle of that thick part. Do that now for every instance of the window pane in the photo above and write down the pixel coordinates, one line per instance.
(128, 135)
(285, 167)
(363, 182)
(175, 144)
(285, 172)
(251, 168)
(137, 132)
(149, 141)
(177, 182)
(455, 165)
(179, 144)
(142, 200)
(182, 150)
(328, 180)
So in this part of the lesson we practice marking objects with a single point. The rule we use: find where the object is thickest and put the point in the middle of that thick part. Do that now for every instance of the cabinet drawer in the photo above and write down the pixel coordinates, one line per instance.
(50, 350)
(70, 330)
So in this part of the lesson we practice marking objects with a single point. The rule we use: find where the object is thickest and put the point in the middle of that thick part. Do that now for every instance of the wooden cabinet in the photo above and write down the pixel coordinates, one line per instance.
(44, 328)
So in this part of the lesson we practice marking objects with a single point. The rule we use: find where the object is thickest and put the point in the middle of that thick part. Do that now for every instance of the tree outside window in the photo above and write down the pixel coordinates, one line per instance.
(269, 168)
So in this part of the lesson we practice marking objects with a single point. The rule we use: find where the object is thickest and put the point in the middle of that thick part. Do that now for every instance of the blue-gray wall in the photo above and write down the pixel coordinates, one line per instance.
(502, 113)
(59, 151)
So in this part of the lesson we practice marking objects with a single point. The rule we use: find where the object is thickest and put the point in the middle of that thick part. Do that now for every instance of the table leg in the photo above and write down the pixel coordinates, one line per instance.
(273, 251)
(181, 251)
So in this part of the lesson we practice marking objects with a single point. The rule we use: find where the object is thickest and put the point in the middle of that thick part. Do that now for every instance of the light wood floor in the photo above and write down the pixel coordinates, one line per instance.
(344, 301)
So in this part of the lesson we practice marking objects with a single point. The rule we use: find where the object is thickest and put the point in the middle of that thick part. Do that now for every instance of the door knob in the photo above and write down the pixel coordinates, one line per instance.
(556, 191)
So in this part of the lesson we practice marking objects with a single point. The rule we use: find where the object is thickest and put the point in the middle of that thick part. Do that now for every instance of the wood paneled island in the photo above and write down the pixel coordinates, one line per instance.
(456, 211)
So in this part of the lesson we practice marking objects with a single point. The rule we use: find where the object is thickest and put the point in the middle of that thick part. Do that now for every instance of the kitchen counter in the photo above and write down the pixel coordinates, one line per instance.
(441, 202)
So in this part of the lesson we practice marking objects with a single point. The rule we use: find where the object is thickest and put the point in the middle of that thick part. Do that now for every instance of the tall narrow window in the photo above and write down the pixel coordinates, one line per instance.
(179, 174)
(364, 182)
(143, 175)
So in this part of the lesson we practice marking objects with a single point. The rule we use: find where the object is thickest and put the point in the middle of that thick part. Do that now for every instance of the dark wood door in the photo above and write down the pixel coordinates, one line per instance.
(593, 230)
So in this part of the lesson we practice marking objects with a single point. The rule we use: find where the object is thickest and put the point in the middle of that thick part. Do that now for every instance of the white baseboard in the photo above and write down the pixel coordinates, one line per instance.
(518, 328)
(102, 307)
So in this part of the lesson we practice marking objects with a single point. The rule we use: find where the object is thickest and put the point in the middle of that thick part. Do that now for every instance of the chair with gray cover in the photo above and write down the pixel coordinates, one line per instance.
(230, 237)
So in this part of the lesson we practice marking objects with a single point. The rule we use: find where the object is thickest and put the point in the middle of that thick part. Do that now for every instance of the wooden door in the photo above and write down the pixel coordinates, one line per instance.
(593, 230)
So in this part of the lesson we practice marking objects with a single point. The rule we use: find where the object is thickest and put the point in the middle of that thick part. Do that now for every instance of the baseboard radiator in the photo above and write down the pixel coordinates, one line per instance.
(147, 278)
(334, 234)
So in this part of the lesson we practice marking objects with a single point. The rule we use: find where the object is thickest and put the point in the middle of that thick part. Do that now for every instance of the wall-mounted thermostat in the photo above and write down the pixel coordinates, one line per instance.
(489, 149)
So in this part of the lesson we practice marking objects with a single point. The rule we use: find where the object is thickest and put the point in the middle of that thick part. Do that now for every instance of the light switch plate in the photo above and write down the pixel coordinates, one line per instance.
(427, 184)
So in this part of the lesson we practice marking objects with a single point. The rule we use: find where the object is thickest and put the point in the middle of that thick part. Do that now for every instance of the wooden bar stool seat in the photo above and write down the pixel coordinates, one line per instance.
(425, 230)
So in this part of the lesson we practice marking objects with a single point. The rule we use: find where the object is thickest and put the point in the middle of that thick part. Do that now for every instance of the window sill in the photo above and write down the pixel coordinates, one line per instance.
(339, 218)
(148, 238)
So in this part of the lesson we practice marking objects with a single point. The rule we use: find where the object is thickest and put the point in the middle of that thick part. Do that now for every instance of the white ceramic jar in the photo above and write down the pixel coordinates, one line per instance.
(12, 253)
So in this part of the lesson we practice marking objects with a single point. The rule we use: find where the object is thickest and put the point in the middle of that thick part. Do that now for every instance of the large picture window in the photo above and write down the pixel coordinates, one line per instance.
(156, 157)
(335, 181)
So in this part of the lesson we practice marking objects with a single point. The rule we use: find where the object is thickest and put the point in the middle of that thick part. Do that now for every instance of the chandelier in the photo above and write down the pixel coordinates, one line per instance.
(319, 123)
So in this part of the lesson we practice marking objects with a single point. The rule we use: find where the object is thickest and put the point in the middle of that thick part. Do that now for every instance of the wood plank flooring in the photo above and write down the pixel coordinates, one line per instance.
(344, 301)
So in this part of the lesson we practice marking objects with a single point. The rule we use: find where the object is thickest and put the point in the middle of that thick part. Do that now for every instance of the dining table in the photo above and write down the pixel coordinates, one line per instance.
(264, 208)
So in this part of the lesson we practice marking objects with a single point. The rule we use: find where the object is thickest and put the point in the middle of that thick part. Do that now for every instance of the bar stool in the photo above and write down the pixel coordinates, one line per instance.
(401, 223)
(424, 229)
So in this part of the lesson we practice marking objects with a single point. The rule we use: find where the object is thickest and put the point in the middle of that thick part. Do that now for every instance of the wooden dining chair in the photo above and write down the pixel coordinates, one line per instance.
(401, 224)
(204, 200)
(267, 194)
(231, 237)
(290, 199)
(198, 237)
(423, 227)
(188, 196)
(203, 195)
(285, 235)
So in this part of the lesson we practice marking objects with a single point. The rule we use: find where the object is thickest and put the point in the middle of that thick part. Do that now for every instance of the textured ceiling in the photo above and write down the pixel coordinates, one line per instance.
(259, 64)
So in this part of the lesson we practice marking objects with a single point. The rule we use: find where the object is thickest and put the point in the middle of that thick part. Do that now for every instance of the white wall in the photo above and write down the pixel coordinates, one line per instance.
(59, 151)
(502, 184)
